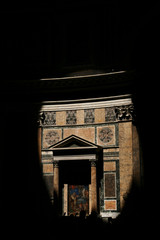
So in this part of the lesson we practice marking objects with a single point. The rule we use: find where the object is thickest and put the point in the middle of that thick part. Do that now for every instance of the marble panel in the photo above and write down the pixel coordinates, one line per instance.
(106, 135)
(51, 136)
(110, 205)
(109, 185)
(109, 166)
(47, 168)
(80, 117)
(61, 118)
(86, 133)
(99, 115)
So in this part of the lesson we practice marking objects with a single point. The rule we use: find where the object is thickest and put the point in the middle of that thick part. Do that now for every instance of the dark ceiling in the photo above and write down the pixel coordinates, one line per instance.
(67, 38)
(45, 40)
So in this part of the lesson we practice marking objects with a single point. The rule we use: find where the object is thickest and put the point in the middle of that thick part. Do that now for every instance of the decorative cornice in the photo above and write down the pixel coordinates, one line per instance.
(87, 103)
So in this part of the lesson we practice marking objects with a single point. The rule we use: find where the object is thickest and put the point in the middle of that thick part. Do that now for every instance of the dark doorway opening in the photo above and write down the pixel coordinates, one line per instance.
(75, 172)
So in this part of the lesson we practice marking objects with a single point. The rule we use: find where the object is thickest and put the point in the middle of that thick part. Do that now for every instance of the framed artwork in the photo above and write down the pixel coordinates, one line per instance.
(78, 199)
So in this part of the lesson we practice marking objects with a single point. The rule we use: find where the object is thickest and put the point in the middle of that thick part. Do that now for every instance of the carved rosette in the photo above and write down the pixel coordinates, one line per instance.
(106, 135)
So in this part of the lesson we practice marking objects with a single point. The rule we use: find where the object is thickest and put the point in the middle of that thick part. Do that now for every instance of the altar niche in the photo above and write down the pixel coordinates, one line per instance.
(75, 182)
(78, 168)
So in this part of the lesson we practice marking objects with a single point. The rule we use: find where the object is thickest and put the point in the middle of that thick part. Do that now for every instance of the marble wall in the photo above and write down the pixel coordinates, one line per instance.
(106, 128)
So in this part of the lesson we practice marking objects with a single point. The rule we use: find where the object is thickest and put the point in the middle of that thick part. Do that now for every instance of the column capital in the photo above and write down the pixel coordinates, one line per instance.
(93, 162)
(56, 164)
(126, 112)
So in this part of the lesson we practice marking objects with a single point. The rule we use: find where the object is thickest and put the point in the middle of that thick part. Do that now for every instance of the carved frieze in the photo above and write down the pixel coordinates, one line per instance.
(110, 185)
(112, 114)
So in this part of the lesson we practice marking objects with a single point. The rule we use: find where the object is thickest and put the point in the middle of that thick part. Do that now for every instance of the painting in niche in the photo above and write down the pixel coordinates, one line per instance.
(78, 199)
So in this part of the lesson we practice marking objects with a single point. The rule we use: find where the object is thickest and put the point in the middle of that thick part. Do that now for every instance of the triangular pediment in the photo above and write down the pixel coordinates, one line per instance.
(73, 141)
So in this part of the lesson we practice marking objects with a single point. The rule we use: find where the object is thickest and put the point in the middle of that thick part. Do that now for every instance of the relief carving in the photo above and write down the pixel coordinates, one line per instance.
(110, 114)
(52, 137)
(125, 112)
(89, 116)
(47, 118)
(71, 117)
(105, 135)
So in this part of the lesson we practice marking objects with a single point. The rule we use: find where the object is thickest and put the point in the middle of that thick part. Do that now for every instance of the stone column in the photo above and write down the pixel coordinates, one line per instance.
(90, 209)
(66, 199)
(93, 186)
(125, 160)
(56, 185)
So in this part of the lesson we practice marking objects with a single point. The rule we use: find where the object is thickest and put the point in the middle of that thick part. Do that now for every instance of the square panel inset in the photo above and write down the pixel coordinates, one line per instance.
(106, 135)
(51, 136)
(89, 116)
(110, 205)
(50, 118)
(110, 114)
(109, 166)
(71, 117)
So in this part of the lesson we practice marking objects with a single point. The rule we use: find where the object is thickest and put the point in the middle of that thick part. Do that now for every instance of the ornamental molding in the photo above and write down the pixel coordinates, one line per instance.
(87, 103)
(112, 114)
